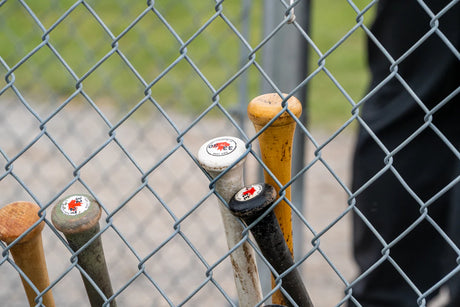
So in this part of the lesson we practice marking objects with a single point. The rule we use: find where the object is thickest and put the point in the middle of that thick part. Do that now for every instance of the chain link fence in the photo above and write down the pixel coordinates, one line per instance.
(114, 99)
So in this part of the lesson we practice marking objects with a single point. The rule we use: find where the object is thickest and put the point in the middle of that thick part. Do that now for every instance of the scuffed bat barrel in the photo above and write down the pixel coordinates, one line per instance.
(28, 254)
(77, 217)
(249, 204)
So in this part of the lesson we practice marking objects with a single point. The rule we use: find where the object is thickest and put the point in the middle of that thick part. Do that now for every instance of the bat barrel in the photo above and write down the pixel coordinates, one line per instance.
(77, 217)
(249, 204)
(216, 156)
(28, 254)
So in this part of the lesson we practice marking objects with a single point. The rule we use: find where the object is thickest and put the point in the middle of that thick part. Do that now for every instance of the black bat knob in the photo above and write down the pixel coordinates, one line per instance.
(249, 204)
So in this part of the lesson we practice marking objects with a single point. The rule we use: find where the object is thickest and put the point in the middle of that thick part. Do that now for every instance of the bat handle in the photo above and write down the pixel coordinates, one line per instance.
(77, 217)
(243, 258)
(249, 204)
(28, 253)
(21, 255)
(92, 261)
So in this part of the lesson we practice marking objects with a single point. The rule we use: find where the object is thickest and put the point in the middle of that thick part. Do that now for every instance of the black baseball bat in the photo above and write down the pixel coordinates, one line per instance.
(249, 204)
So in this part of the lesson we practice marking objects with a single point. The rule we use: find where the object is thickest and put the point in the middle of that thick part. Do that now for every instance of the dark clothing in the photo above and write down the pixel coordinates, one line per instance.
(406, 193)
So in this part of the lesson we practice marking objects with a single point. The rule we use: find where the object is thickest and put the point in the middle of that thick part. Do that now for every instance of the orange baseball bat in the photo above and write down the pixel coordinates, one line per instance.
(276, 152)
(15, 219)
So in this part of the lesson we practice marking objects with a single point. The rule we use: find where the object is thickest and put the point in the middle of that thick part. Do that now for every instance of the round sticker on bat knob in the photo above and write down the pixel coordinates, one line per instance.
(249, 192)
(221, 147)
(75, 205)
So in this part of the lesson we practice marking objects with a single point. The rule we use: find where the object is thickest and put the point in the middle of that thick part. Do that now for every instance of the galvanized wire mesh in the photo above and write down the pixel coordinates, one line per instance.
(114, 99)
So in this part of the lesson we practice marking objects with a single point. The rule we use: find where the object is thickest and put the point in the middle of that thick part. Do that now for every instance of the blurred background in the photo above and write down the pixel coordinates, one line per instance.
(114, 98)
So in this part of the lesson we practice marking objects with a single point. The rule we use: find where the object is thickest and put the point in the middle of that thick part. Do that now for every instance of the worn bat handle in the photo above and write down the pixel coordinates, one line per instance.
(28, 254)
(249, 204)
(216, 156)
(77, 217)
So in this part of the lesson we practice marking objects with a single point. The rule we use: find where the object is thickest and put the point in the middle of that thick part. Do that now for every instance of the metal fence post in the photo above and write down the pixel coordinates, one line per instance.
(287, 71)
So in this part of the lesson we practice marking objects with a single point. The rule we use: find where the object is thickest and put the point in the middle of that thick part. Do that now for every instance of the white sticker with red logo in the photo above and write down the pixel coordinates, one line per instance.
(221, 147)
(249, 192)
(75, 205)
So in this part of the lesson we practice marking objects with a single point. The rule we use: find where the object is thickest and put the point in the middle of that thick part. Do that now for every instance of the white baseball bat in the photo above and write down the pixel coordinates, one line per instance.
(215, 156)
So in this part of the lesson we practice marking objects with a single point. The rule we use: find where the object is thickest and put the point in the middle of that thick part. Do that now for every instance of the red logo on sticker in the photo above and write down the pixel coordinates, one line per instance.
(221, 145)
(251, 191)
(73, 204)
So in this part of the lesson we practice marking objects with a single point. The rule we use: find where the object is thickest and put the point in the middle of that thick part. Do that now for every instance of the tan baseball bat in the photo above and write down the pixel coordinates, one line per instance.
(216, 156)
(276, 152)
(15, 219)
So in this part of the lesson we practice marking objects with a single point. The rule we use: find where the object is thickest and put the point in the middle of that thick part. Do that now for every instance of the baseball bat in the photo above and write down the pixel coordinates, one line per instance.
(216, 156)
(250, 203)
(77, 217)
(275, 144)
(15, 219)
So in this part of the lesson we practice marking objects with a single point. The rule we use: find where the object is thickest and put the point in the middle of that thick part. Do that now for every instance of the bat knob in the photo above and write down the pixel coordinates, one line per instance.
(18, 217)
(252, 201)
(218, 154)
(76, 213)
(263, 108)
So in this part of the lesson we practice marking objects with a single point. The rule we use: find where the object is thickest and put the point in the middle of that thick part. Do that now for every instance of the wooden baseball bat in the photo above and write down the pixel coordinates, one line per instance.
(250, 203)
(215, 156)
(15, 219)
(77, 217)
(276, 152)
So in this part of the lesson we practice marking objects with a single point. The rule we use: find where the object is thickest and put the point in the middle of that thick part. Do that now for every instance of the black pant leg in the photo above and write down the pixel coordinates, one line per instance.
(454, 235)
(425, 165)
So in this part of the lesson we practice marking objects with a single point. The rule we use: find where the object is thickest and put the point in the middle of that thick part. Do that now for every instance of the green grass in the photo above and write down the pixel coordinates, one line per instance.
(332, 20)
(151, 48)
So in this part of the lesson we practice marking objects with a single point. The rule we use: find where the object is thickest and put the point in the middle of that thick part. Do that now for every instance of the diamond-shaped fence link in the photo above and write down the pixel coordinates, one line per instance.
(114, 99)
